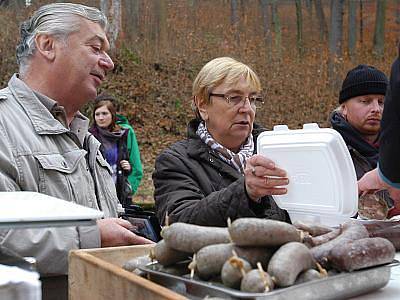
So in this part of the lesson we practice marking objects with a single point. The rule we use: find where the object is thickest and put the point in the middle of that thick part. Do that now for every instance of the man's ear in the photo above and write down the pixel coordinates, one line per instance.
(202, 107)
(344, 110)
(46, 46)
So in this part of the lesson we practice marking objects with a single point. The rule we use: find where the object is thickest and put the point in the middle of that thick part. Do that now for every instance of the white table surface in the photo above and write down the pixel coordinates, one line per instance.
(391, 291)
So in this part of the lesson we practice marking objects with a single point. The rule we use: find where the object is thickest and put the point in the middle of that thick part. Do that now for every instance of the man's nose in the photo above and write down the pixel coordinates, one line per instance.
(376, 106)
(106, 62)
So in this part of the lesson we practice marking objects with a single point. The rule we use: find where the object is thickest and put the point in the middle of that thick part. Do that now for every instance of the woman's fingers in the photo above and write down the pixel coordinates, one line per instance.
(263, 178)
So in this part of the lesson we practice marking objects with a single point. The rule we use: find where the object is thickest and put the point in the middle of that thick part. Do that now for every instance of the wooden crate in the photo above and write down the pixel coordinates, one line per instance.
(97, 274)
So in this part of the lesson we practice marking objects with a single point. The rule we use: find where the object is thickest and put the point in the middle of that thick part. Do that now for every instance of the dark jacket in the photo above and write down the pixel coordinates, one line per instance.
(364, 155)
(195, 186)
(122, 185)
(389, 158)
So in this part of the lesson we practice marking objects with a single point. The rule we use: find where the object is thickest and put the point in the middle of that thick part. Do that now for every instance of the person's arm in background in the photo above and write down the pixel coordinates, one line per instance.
(134, 154)
(387, 174)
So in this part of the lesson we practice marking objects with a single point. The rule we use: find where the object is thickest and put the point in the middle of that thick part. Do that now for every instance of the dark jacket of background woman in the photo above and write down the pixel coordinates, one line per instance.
(124, 191)
(199, 188)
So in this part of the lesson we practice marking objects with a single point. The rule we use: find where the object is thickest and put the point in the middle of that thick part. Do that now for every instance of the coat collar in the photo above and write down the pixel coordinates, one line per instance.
(42, 120)
(200, 151)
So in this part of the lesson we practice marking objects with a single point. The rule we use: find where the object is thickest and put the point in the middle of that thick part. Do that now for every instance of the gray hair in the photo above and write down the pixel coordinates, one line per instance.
(56, 19)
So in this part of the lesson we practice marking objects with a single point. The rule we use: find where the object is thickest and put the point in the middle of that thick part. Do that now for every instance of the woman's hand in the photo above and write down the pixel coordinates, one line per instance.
(125, 165)
(263, 178)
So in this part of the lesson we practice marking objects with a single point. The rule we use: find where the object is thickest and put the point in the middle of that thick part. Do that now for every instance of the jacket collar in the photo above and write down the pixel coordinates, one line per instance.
(42, 120)
(353, 138)
(200, 151)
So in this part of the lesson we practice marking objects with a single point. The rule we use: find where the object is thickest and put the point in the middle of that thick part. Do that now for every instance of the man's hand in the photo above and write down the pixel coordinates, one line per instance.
(371, 182)
(263, 178)
(116, 232)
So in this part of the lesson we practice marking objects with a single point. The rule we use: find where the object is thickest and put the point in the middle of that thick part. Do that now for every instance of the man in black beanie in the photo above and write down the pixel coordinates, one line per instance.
(359, 115)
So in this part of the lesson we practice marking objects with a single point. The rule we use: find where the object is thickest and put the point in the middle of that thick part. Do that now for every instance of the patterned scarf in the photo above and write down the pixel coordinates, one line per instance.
(236, 160)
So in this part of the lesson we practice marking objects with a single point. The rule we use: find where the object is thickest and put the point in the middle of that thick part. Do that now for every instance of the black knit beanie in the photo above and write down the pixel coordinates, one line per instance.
(363, 80)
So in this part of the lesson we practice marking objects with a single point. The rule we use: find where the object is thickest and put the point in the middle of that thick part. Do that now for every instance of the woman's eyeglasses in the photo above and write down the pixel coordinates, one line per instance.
(256, 101)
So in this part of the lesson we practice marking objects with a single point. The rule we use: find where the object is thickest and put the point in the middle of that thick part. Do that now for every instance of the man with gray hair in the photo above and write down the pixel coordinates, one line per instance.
(44, 142)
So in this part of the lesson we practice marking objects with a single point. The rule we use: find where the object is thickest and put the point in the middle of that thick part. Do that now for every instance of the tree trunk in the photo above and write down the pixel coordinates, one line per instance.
(235, 21)
(299, 18)
(131, 19)
(379, 34)
(266, 26)
(323, 28)
(397, 11)
(335, 42)
(277, 25)
(160, 28)
(352, 28)
(361, 23)
(113, 13)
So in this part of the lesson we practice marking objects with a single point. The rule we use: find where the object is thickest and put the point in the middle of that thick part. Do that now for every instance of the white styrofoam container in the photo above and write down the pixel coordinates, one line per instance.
(322, 180)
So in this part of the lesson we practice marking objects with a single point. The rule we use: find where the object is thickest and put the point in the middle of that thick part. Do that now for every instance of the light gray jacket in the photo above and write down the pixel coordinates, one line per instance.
(37, 153)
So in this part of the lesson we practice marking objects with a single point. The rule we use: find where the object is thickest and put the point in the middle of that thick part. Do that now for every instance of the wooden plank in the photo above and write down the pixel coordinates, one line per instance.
(96, 274)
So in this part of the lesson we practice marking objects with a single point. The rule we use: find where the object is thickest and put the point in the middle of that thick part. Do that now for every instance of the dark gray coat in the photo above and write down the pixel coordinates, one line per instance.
(195, 186)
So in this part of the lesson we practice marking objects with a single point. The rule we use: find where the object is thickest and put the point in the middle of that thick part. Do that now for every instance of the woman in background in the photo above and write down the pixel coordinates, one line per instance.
(118, 146)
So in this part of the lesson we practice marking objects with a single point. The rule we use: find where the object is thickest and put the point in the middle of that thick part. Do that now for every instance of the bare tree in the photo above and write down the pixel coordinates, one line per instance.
(397, 11)
(379, 33)
(323, 28)
(235, 20)
(266, 19)
(361, 23)
(299, 18)
(335, 42)
(131, 19)
(160, 28)
(276, 22)
(352, 28)
(112, 9)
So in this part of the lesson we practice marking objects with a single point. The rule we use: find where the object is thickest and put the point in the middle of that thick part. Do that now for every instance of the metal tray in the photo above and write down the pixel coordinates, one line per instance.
(339, 286)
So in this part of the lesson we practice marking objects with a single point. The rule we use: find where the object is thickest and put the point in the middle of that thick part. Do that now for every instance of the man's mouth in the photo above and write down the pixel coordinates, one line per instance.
(98, 75)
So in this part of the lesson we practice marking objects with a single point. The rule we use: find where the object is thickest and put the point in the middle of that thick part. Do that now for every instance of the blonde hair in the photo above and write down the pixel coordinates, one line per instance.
(221, 70)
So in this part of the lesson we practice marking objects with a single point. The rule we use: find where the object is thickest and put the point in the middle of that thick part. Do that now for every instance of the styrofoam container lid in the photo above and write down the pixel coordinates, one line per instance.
(322, 180)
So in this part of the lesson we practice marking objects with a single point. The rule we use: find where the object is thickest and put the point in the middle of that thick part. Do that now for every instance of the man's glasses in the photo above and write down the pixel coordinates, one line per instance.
(256, 101)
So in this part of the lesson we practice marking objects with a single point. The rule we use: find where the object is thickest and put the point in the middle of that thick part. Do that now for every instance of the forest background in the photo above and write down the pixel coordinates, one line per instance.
(301, 50)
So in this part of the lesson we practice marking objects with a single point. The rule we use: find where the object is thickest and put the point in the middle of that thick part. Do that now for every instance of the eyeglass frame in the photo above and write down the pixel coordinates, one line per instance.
(228, 100)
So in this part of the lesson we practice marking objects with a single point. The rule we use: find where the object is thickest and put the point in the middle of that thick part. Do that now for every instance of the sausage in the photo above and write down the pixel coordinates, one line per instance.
(385, 229)
(351, 230)
(288, 262)
(255, 255)
(210, 259)
(166, 255)
(233, 271)
(136, 262)
(313, 229)
(262, 232)
(308, 275)
(362, 253)
(257, 281)
(191, 238)
(322, 239)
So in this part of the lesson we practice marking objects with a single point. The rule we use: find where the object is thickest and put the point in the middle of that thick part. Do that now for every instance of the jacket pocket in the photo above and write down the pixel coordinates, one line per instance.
(103, 163)
(58, 173)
